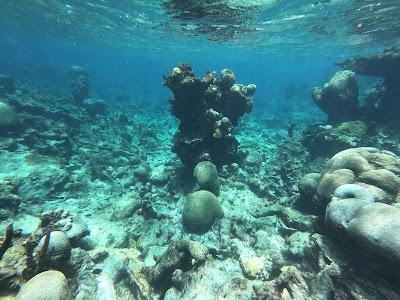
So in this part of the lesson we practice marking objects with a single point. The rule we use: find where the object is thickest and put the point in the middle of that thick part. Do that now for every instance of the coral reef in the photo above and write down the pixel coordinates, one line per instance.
(207, 109)
(108, 181)
(339, 97)
(354, 122)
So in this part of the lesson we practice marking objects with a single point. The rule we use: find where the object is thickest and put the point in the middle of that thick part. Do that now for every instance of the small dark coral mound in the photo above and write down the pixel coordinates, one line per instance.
(208, 109)
(7, 85)
(382, 104)
(79, 84)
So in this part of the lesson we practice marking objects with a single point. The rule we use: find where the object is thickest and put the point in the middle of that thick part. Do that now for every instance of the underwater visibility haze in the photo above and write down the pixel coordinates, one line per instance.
(209, 149)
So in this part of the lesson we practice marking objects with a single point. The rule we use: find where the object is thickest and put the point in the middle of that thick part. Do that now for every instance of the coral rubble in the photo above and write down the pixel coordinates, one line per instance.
(207, 109)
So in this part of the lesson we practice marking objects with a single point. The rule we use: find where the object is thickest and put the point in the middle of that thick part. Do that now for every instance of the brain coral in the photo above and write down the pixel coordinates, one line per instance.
(200, 211)
(361, 187)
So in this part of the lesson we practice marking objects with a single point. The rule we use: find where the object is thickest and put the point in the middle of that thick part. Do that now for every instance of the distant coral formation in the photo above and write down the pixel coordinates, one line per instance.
(339, 97)
(383, 102)
(79, 83)
(355, 118)
(207, 109)
(7, 85)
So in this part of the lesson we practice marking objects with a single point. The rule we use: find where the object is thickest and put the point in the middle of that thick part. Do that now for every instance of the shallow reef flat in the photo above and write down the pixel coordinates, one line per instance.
(103, 208)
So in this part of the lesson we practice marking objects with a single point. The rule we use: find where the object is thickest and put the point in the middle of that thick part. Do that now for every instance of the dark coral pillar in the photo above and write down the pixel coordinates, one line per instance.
(207, 109)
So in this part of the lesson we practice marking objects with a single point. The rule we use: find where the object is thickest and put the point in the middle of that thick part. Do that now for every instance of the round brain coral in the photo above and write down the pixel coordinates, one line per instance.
(200, 211)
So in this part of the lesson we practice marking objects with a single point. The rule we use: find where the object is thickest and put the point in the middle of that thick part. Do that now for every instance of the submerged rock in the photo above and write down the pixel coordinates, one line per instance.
(327, 140)
(9, 199)
(256, 267)
(180, 257)
(95, 107)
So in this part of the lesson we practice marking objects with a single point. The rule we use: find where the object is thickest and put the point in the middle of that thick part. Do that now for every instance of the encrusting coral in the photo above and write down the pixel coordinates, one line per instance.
(207, 109)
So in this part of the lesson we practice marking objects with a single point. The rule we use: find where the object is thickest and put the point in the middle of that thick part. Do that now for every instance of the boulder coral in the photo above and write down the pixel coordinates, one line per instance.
(207, 109)
(200, 211)
(206, 176)
(58, 249)
(46, 285)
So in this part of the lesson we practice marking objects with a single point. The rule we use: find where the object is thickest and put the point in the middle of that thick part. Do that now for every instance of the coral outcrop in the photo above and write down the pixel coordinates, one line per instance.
(382, 104)
(339, 97)
(355, 121)
(208, 109)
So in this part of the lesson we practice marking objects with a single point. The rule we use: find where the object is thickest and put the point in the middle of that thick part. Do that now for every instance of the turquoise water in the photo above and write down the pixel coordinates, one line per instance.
(138, 179)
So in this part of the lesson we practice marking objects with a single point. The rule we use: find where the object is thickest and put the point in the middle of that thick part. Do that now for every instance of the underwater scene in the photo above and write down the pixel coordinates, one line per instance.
(200, 149)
